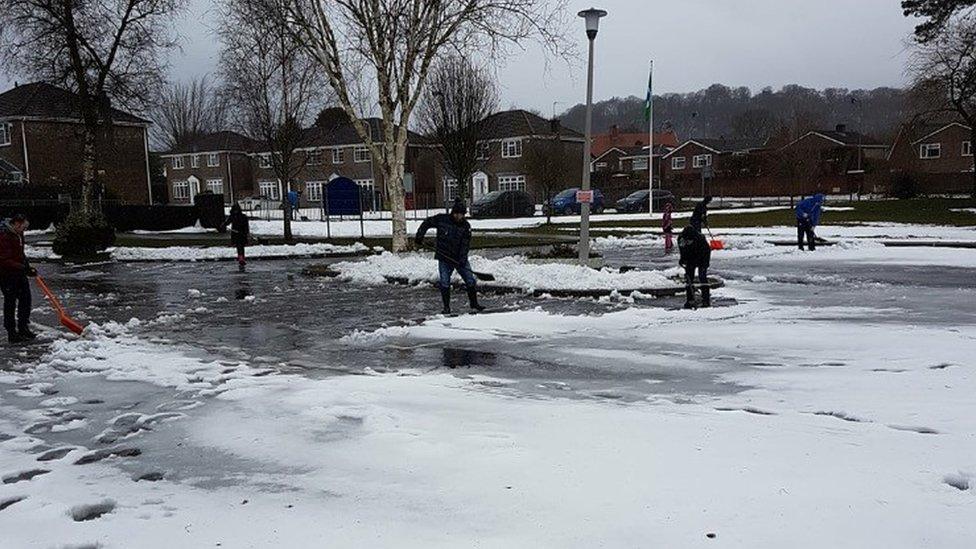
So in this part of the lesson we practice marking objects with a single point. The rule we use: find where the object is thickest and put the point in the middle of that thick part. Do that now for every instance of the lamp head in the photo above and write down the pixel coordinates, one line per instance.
(592, 17)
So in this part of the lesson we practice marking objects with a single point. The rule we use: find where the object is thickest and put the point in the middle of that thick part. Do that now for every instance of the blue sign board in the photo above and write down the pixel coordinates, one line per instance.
(342, 197)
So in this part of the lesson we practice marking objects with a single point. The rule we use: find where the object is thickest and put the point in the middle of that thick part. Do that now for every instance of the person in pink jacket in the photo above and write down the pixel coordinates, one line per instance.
(668, 227)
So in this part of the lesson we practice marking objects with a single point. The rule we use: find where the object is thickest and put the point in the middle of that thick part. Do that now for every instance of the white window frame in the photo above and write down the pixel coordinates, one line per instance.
(967, 148)
(179, 163)
(213, 160)
(194, 160)
(679, 163)
(511, 183)
(338, 156)
(181, 190)
(484, 150)
(512, 148)
(264, 160)
(361, 155)
(450, 190)
(314, 190)
(601, 165)
(215, 183)
(701, 161)
(275, 193)
(639, 164)
(925, 151)
(6, 133)
(315, 157)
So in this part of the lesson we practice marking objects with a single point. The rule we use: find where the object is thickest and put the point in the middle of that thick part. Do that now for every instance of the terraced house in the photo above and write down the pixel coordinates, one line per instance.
(241, 167)
(41, 146)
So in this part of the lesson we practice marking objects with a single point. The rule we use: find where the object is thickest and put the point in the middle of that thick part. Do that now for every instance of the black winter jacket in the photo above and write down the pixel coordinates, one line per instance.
(699, 217)
(694, 249)
(453, 238)
(239, 228)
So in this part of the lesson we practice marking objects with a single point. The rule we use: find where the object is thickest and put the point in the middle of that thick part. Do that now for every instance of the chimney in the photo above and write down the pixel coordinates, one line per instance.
(555, 126)
(614, 131)
(841, 128)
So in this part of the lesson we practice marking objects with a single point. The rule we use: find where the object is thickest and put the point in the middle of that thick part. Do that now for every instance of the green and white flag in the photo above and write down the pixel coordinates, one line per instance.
(649, 102)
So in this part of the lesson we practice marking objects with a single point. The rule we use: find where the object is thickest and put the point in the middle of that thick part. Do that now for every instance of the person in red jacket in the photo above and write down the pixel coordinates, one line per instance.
(14, 270)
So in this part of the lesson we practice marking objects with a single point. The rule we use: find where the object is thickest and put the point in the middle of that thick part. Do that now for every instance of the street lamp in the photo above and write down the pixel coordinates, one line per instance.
(592, 17)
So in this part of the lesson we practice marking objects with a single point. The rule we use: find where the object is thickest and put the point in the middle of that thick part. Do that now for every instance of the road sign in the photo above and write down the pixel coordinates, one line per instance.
(584, 197)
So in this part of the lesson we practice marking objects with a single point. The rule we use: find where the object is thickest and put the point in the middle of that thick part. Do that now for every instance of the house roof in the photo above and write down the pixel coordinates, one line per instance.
(846, 138)
(41, 100)
(217, 141)
(928, 130)
(605, 141)
(722, 146)
(346, 134)
(520, 123)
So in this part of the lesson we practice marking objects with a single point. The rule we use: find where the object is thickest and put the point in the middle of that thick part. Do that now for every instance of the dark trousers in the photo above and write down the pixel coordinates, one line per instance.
(16, 301)
(240, 252)
(803, 227)
(702, 279)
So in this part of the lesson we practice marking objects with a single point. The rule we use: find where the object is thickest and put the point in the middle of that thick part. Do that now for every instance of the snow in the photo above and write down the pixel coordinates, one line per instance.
(963, 210)
(513, 271)
(187, 253)
(193, 229)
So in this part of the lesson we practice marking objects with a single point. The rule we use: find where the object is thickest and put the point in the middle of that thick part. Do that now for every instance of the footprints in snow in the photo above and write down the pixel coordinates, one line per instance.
(99, 455)
(4, 503)
(56, 453)
(842, 416)
(960, 481)
(746, 409)
(24, 475)
(91, 511)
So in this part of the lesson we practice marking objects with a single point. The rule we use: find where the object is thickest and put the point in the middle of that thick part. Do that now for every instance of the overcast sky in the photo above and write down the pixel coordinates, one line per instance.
(694, 43)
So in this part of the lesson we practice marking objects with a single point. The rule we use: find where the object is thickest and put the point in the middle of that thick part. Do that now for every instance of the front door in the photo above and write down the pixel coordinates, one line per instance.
(479, 185)
(194, 185)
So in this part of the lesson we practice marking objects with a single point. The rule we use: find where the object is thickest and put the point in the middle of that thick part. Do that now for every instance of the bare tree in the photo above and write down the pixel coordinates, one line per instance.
(397, 42)
(104, 50)
(944, 71)
(273, 84)
(459, 97)
(937, 15)
(549, 163)
(186, 110)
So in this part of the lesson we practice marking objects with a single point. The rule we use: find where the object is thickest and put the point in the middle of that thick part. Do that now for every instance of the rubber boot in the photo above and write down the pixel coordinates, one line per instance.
(14, 337)
(689, 296)
(446, 299)
(706, 296)
(26, 334)
(473, 298)
(241, 263)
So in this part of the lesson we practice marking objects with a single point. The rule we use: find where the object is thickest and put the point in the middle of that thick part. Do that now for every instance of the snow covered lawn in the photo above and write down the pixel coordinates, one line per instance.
(187, 253)
(513, 271)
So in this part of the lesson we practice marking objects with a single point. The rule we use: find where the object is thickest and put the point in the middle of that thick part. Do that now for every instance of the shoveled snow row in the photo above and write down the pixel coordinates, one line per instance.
(186, 253)
(513, 271)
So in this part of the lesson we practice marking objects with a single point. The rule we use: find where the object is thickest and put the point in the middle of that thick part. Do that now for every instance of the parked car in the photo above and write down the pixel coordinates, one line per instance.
(504, 204)
(638, 201)
(565, 202)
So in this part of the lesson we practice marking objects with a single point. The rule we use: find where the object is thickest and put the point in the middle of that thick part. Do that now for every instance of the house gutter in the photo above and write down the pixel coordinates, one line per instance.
(23, 142)
(145, 143)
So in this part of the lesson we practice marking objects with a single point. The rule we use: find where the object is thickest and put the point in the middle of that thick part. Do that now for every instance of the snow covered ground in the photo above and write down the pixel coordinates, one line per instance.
(200, 253)
(512, 271)
(834, 411)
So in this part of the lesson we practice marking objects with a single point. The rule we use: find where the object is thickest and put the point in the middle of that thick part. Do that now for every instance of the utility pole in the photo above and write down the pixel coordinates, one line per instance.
(592, 17)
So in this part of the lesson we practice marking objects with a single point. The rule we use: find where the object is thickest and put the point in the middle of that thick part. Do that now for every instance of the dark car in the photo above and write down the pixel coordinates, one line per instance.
(504, 204)
(565, 202)
(638, 202)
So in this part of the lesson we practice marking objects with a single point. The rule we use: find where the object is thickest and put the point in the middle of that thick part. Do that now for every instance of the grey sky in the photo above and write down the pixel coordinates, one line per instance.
(694, 43)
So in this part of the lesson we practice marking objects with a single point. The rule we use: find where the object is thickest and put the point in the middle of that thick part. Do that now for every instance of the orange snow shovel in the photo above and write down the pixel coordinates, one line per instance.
(714, 243)
(63, 317)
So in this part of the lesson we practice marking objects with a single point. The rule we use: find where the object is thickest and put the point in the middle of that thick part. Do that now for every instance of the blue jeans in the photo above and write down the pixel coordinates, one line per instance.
(446, 269)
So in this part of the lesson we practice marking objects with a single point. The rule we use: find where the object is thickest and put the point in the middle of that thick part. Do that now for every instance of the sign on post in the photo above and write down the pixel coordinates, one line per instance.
(584, 197)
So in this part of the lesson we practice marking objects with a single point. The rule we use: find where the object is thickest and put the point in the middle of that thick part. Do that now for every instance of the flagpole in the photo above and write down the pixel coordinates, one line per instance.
(650, 150)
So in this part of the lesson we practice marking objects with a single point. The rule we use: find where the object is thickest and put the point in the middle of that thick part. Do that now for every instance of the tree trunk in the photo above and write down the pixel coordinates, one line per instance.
(972, 141)
(88, 161)
(393, 168)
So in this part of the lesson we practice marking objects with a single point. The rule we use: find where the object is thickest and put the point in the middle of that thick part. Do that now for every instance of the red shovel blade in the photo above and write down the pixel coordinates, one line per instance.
(63, 317)
(716, 245)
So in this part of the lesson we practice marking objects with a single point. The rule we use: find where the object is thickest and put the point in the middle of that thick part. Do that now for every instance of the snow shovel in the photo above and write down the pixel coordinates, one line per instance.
(63, 317)
(484, 277)
(714, 243)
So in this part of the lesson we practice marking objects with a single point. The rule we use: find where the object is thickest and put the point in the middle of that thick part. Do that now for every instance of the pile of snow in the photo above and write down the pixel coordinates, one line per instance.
(192, 229)
(187, 253)
(513, 271)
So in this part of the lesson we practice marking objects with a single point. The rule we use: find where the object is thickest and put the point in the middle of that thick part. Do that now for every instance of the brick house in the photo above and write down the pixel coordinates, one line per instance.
(602, 142)
(240, 167)
(218, 162)
(505, 139)
(619, 171)
(938, 157)
(41, 144)
(830, 161)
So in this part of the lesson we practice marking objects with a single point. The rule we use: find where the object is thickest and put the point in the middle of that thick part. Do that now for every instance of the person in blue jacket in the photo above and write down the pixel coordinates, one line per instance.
(807, 218)
(453, 244)
(293, 197)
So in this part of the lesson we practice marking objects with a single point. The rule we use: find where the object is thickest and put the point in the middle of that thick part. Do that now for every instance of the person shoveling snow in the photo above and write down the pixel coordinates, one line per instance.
(453, 244)
(696, 254)
(807, 218)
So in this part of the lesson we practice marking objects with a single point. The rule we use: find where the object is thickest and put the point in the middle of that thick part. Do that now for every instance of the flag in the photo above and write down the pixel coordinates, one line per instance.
(649, 102)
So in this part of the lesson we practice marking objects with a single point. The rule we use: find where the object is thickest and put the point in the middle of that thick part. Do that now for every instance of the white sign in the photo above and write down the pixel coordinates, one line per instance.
(584, 197)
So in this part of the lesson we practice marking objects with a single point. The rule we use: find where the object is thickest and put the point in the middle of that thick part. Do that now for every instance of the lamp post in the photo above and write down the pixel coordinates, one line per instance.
(592, 17)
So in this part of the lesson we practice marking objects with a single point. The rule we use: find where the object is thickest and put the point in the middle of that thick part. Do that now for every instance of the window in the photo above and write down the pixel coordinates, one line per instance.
(512, 148)
(5, 131)
(450, 190)
(313, 190)
(181, 190)
(930, 150)
(361, 154)
(264, 160)
(315, 157)
(601, 166)
(511, 183)
(484, 149)
(678, 163)
(178, 163)
(701, 161)
(338, 156)
(213, 160)
(366, 184)
(269, 190)
(215, 186)
(194, 161)
(967, 148)
(640, 164)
